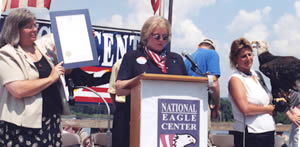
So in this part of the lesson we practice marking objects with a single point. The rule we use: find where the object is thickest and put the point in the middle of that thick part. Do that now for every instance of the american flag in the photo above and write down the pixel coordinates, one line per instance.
(85, 96)
(155, 5)
(9, 4)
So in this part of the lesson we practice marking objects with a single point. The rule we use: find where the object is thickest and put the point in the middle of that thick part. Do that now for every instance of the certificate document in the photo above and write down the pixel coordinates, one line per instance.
(73, 37)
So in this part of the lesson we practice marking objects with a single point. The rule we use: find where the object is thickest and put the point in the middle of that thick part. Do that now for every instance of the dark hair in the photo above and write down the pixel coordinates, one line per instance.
(236, 46)
(15, 20)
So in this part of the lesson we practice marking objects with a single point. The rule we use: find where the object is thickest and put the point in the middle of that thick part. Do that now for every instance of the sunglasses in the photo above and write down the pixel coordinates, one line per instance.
(157, 36)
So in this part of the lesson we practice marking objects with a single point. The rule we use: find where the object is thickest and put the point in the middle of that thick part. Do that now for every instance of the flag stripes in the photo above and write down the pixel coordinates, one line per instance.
(9, 4)
(91, 99)
(166, 140)
(155, 5)
(158, 60)
(95, 68)
(98, 89)
(83, 95)
(31, 3)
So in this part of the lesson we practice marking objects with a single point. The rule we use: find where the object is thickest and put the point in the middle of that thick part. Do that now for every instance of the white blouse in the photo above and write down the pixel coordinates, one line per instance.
(256, 94)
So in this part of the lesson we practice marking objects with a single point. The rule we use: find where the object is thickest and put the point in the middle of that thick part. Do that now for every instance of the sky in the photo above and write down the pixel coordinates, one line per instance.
(276, 21)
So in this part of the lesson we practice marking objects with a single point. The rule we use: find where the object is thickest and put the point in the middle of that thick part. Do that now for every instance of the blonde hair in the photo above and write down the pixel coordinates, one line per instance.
(150, 24)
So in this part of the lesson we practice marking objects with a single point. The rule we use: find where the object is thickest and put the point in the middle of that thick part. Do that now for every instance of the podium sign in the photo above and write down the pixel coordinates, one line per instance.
(178, 122)
(169, 113)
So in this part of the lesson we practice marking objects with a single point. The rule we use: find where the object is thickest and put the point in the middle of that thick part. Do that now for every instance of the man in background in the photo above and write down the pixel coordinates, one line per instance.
(207, 60)
(112, 85)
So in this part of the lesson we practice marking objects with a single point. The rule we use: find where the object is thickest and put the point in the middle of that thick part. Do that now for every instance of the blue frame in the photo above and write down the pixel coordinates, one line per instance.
(54, 29)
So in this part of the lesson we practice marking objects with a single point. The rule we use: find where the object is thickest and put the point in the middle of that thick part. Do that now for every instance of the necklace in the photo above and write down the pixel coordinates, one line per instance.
(33, 53)
(246, 73)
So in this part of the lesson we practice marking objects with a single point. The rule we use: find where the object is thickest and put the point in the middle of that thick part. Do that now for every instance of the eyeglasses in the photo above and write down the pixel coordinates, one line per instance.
(157, 36)
(30, 26)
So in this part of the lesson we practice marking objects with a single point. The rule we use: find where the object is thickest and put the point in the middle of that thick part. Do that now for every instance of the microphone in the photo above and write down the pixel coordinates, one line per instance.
(194, 64)
(71, 87)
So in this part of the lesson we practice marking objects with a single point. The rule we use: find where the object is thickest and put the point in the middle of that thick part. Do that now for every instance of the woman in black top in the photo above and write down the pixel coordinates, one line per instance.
(32, 97)
(151, 56)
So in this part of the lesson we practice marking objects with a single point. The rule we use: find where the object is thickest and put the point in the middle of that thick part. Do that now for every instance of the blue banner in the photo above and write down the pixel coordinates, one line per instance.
(111, 43)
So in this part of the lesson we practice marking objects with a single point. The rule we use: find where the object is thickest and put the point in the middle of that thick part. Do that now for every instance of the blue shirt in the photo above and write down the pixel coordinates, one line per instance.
(207, 60)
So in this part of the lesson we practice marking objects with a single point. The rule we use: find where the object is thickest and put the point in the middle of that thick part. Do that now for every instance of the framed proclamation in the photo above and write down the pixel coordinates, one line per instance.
(73, 36)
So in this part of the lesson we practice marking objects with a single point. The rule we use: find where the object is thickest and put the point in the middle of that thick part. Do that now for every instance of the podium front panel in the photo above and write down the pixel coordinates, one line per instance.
(173, 113)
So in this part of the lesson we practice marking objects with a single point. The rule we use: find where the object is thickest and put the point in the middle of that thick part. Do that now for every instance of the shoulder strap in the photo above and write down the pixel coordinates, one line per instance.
(262, 82)
(260, 78)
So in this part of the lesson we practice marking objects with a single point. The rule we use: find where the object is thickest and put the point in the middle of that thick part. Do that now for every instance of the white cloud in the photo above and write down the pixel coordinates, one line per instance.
(139, 12)
(257, 32)
(183, 37)
(182, 8)
(297, 8)
(266, 11)
(116, 20)
(186, 36)
(225, 67)
(247, 20)
(287, 32)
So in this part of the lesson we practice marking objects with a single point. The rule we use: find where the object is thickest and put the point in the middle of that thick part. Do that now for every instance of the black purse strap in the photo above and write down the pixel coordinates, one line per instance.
(263, 84)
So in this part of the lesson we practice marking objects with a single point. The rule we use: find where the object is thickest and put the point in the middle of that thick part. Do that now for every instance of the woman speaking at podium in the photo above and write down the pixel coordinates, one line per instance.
(151, 56)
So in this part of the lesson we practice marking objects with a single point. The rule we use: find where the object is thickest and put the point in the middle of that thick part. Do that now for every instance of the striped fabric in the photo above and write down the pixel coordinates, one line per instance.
(9, 4)
(166, 140)
(159, 60)
(155, 5)
(86, 96)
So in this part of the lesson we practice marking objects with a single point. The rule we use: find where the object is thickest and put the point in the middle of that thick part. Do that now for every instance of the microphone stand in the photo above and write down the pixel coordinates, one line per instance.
(194, 65)
(71, 87)
(194, 69)
(72, 102)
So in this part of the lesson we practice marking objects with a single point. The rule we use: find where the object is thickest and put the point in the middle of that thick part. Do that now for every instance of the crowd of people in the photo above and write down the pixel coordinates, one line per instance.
(32, 97)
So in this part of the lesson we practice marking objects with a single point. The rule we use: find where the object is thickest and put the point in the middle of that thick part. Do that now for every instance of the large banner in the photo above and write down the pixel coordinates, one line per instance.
(111, 43)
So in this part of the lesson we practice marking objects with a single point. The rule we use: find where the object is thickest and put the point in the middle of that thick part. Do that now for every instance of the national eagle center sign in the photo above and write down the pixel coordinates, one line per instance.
(178, 123)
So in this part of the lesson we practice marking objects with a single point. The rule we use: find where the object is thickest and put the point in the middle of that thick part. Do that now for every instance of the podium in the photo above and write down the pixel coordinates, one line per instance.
(168, 110)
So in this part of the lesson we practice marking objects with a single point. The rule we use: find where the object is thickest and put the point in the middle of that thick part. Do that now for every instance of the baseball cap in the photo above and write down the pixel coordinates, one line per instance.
(210, 42)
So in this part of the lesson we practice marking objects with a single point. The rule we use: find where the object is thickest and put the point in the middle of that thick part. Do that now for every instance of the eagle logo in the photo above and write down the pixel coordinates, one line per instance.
(177, 140)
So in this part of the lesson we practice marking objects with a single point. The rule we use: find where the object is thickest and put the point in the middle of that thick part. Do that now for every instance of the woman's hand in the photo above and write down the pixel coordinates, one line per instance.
(294, 116)
(25, 88)
(56, 72)
(270, 109)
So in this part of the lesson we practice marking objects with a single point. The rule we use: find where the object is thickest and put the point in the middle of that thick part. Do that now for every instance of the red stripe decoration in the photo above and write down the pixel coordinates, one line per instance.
(31, 3)
(166, 140)
(157, 59)
(47, 4)
(9, 4)
(14, 4)
(95, 68)
(97, 89)
(155, 5)
(83, 95)
(91, 99)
